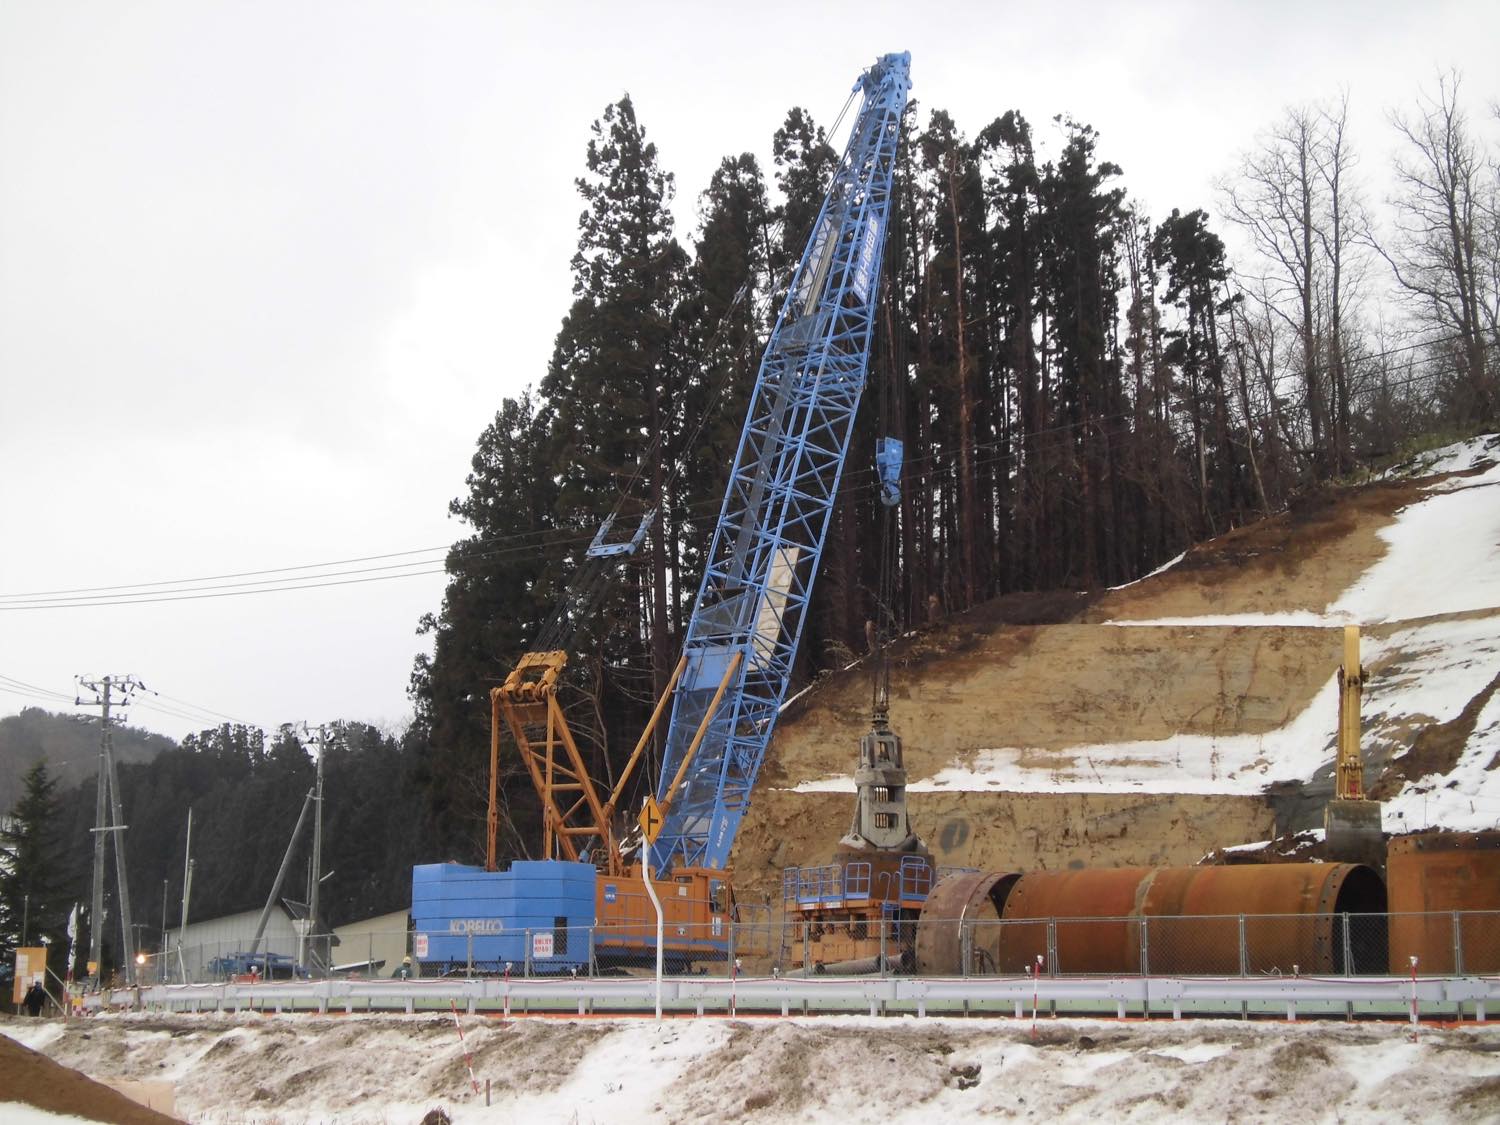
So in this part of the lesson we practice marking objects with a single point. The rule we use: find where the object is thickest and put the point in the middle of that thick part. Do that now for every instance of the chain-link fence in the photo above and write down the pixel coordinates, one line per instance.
(759, 944)
(1215, 945)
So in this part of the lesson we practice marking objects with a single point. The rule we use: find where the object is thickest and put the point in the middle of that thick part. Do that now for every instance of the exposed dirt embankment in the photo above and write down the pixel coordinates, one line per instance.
(1059, 686)
(1301, 559)
(1047, 677)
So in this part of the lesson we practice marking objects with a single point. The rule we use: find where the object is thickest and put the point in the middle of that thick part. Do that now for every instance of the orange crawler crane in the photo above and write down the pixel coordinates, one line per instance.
(578, 826)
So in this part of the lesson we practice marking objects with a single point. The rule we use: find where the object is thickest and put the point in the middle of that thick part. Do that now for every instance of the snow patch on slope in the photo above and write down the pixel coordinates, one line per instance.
(1166, 566)
(1442, 556)
(1232, 764)
(1456, 458)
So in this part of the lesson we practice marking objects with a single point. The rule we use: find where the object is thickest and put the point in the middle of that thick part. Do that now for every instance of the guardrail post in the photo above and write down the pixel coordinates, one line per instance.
(1145, 967)
(1458, 943)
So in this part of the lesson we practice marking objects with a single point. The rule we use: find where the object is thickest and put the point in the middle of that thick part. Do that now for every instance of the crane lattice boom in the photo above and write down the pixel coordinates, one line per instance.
(751, 608)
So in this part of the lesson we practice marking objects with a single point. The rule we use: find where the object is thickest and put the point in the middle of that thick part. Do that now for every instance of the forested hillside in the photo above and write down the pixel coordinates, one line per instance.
(1085, 385)
(70, 744)
(245, 789)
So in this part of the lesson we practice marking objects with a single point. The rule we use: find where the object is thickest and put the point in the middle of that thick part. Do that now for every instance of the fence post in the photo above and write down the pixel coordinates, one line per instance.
(1244, 950)
(593, 964)
(1145, 946)
(469, 952)
(1052, 947)
(729, 947)
(526, 965)
(1458, 943)
(1348, 947)
(806, 948)
(882, 925)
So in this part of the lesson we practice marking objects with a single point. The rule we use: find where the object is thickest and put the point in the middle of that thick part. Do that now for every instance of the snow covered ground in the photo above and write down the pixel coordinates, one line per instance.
(244, 1070)
(1442, 560)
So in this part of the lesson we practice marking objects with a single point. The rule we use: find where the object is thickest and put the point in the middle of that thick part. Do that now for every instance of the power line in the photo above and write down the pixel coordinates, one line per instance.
(199, 707)
(219, 577)
(21, 687)
(32, 695)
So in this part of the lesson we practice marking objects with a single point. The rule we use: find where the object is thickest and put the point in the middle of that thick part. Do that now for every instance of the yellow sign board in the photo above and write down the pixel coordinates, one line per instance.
(31, 967)
(651, 820)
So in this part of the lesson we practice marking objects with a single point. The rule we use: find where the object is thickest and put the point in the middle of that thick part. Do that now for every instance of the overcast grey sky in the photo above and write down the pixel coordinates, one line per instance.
(267, 269)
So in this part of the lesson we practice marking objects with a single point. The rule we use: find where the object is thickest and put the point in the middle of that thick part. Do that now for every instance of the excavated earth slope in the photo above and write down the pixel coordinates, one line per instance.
(1192, 710)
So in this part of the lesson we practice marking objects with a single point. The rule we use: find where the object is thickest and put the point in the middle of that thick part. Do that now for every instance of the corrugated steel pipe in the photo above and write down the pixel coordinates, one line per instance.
(1433, 878)
(963, 908)
(1250, 918)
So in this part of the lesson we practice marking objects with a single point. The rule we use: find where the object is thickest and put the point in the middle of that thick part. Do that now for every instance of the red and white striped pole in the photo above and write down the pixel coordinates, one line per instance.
(468, 1055)
(1036, 977)
(1413, 998)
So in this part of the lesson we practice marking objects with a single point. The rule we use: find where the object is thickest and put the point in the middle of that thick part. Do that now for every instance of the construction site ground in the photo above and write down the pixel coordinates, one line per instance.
(295, 1069)
(1157, 723)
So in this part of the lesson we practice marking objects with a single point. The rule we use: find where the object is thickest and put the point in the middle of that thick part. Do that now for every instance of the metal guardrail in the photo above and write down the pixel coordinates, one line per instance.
(1447, 998)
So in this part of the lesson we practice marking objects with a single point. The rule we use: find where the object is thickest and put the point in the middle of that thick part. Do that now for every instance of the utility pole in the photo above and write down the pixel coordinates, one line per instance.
(317, 845)
(187, 889)
(107, 793)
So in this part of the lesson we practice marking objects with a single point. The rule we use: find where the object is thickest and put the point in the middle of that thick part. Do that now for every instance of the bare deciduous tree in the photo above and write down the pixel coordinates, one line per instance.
(1295, 195)
(1443, 245)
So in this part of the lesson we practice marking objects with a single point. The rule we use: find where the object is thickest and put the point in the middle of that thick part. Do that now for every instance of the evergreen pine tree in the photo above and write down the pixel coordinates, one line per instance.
(35, 874)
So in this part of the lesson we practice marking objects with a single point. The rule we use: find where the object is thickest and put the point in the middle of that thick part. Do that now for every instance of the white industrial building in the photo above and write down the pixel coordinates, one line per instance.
(373, 946)
(189, 956)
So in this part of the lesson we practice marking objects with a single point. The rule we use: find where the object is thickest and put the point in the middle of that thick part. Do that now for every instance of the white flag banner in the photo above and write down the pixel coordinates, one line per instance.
(72, 940)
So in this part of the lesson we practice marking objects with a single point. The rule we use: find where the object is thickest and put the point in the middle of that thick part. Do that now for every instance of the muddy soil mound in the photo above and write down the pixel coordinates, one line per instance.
(33, 1079)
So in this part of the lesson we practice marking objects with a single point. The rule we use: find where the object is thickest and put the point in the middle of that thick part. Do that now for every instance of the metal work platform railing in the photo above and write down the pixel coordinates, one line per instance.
(852, 884)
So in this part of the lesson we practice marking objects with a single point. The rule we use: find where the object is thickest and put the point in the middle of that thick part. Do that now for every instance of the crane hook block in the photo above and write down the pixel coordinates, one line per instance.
(888, 451)
(601, 548)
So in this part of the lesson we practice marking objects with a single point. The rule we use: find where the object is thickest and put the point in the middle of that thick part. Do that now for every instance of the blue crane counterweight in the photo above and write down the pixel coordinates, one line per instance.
(751, 608)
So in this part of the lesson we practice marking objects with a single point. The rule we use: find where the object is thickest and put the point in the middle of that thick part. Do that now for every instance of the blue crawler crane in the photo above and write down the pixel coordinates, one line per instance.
(743, 635)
